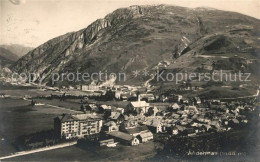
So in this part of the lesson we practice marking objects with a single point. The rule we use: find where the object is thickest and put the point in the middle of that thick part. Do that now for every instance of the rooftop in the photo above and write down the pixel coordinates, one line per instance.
(121, 135)
(140, 104)
(137, 129)
(153, 122)
(77, 117)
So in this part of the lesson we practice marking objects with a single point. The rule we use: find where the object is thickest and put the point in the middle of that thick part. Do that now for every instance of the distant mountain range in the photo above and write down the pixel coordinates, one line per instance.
(147, 38)
(9, 54)
(17, 49)
(7, 57)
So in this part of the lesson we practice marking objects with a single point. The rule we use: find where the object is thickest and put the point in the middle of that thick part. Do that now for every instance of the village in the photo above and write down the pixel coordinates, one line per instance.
(143, 118)
(129, 80)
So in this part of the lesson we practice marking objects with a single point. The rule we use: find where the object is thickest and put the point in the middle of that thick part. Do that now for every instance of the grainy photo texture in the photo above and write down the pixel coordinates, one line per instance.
(129, 80)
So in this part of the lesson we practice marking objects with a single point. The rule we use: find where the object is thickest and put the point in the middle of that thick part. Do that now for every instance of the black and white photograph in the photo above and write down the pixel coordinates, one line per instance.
(130, 80)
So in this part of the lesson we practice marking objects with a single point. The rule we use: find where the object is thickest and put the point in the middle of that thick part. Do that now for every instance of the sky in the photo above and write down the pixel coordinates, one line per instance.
(33, 22)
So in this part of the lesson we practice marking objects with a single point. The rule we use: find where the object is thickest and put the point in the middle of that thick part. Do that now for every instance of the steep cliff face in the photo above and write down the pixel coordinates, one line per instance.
(138, 38)
(58, 51)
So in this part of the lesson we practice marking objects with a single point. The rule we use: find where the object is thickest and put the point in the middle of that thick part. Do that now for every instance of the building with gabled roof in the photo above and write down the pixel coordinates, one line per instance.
(137, 130)
(154, 125)
(145, 137)
(124, 138)
(110, 127)
(120, 110)
(140, 107)
(116, 117)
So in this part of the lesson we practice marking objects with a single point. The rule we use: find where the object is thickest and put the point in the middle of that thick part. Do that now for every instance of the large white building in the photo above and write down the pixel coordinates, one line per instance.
(140, 107)
(77, 126)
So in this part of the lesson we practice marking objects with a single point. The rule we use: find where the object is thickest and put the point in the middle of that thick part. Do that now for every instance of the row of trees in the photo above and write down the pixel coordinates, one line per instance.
(37, 140)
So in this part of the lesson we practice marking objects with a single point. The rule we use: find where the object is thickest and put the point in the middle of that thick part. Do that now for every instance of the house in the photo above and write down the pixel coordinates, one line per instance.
(179, 98)
(185, 101)
(173, 130)
(242, 119)
(163, 98)
(215, 124)
(140, 118)
(120, 110)
(147, 96)
(104, 108)
(194, 124)
(124, 138)
(118, 95)
(137, 130)
(129, 117)
(110, 127)
(154, 125)
(175, 116)
(92, 107)
(181, 129)
(197, 100)
(233, 123)
(184, 122)
(128, 124)
(206, 127)
(180, 112)
(90, 87)
(140, 107)
(124, 97)
(192, 109)
(117, 117)
(175, 107)
(215, 102)
(224, 122)
(76, 126)
(152, 111)
(142, 133)
(145, 137)
(200, 119)
(190, 131)
(174, 98)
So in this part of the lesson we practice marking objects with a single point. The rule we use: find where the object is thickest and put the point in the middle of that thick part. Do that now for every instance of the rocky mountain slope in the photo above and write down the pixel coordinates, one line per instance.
(147, 37)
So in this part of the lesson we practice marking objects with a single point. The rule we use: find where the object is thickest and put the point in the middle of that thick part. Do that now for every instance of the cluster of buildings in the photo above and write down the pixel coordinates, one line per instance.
(139, 121)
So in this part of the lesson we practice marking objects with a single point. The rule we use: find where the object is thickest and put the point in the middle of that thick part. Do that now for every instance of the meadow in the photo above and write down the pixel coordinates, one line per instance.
(18, 117)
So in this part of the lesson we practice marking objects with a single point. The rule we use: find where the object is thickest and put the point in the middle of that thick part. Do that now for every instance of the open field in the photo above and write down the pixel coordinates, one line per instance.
(69, 104)
(16, 114)
(225, 92)
(18, 117)
(75, 153)
(74, 104)
(122, 104)
(30, 92)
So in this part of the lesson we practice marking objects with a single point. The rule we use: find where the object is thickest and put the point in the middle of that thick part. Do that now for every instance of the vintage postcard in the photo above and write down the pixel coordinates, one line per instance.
(129, 80)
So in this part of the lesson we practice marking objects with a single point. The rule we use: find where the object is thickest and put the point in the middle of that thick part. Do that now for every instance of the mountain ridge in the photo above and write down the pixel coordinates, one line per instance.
(19, 50)
(139, 37)
(7, 57)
